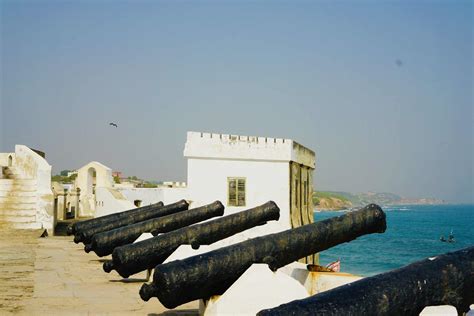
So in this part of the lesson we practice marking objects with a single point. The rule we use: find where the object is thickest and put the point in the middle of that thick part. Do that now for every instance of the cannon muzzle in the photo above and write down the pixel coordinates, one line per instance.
(108, 266)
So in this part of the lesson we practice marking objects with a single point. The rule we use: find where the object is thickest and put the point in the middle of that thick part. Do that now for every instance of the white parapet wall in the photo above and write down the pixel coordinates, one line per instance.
(30, 165)
(110, 201)
(237, 147)
(259, 288)
(148, 196)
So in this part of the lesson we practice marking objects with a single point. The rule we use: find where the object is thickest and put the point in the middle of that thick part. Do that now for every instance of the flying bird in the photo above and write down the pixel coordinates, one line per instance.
(113, 124)
(399, 62)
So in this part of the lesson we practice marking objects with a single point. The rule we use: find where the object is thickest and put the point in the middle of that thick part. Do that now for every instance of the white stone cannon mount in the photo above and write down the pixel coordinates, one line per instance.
(260, 288)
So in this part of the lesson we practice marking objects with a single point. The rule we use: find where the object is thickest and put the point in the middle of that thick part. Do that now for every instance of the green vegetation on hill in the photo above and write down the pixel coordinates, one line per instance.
(326, 200)
(64, 179)
(357, 199)
(318, 195)
(361, 199)
(140, 183)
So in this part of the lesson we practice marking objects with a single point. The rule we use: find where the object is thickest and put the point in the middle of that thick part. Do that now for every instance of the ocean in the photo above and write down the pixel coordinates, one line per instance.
(413, 233)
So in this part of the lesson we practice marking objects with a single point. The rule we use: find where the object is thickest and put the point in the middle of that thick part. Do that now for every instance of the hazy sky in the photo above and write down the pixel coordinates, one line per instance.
(382, 91)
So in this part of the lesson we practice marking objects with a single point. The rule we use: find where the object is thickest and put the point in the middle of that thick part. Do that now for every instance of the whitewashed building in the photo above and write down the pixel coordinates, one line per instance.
(89, 177)
(246, 171)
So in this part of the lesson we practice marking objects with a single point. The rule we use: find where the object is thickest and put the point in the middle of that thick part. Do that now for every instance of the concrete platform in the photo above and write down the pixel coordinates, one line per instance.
(54, 276)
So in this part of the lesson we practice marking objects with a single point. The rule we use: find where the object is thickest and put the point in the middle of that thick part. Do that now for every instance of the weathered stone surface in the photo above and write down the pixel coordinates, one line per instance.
(53, 276)
(17, 264)
(131, 259)
(444, 280)
(104, 243)
(213, 273)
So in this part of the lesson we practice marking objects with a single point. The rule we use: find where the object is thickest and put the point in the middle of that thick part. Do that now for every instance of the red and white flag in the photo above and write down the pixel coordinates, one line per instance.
(335, 266)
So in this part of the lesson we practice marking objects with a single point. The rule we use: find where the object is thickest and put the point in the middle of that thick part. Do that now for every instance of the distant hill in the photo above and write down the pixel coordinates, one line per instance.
(361, 199)
(334, 200)
(326, 200)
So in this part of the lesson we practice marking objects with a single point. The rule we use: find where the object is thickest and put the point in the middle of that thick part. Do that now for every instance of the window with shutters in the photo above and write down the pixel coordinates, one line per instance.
(236, 191)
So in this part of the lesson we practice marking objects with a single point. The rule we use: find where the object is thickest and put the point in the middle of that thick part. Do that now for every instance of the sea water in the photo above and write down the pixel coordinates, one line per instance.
(413, 233)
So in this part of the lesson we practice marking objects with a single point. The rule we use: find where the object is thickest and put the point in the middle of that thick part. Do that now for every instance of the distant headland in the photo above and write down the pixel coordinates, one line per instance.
(334, 200)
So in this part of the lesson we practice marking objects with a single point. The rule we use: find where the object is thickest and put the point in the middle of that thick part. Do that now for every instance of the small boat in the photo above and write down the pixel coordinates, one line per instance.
(450, 238)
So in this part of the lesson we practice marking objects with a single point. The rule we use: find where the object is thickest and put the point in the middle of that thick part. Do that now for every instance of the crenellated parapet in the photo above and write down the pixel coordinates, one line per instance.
(238, 147)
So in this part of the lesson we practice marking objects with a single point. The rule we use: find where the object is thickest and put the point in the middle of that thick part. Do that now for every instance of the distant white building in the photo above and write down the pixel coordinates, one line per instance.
(71, 173)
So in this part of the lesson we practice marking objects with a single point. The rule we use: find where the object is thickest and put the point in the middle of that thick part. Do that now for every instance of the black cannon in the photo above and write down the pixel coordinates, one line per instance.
(212, 273)
(85, 236)
(87, 224)
(444, 280)
(104, 243)
(131, 259)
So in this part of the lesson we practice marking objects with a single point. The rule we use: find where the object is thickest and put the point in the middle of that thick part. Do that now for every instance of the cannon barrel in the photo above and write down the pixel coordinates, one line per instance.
(87, 224)
(133, 258)
(212, 273)
(445, 280)
(104, 243)
(85, 236)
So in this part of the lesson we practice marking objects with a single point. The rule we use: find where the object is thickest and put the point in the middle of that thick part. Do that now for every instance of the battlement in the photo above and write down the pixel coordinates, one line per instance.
(228, 146)
(215, 137)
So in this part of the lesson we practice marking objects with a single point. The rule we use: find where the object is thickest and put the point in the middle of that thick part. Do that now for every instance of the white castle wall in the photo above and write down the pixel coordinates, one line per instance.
(265, 181)
(30, 172)
(263, 161)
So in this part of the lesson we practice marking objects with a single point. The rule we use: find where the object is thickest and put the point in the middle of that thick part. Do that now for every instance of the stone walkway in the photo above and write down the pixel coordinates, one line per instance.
(54, 276)
(17, 266)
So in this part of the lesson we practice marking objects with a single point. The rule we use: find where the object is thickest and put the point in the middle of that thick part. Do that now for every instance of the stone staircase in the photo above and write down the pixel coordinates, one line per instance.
(18, 200)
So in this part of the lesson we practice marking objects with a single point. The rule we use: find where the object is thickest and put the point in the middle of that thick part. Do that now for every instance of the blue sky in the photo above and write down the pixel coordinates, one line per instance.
(322, 73)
